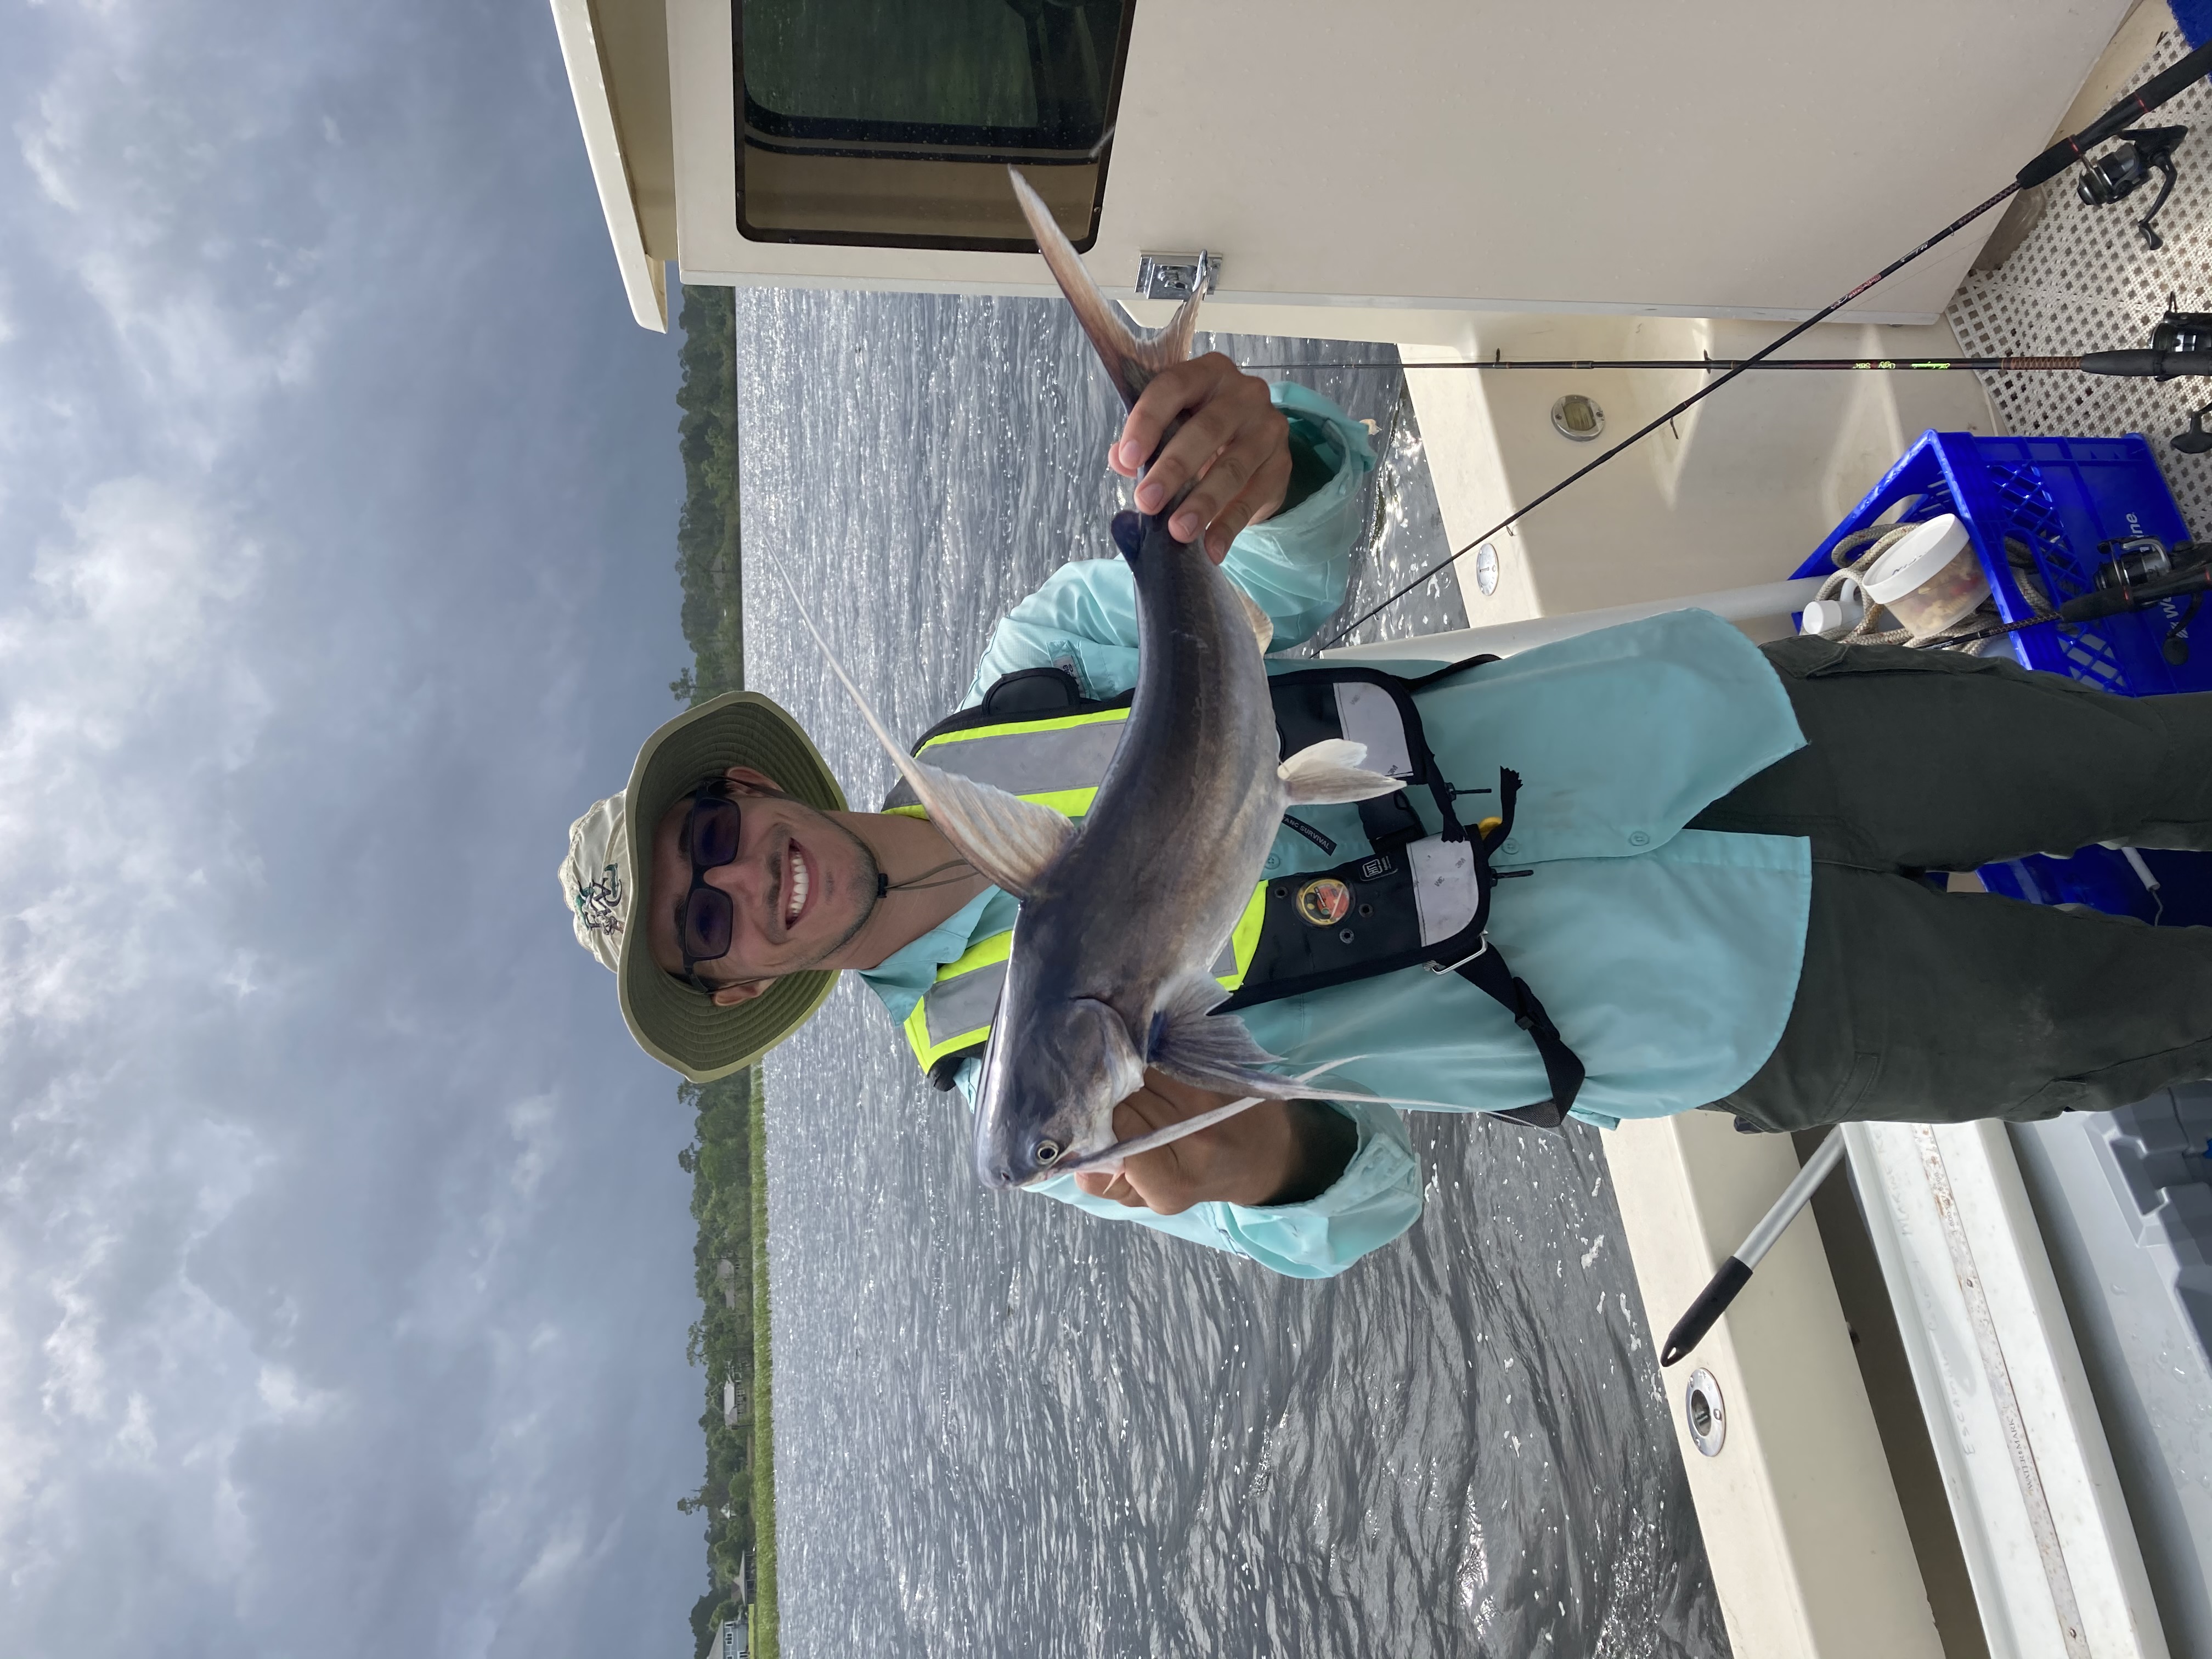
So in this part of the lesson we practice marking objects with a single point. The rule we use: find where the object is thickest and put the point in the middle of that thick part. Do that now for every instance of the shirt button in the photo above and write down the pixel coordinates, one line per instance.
(1274, 860)
(1638, 838)
(1509, 846)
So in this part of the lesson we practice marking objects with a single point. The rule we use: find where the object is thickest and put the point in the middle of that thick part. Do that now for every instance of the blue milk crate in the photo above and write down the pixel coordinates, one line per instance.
(2060, 497)
(2104, 880)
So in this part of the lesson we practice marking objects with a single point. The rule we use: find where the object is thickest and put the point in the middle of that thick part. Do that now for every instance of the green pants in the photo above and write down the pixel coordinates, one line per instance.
(1938, 1007)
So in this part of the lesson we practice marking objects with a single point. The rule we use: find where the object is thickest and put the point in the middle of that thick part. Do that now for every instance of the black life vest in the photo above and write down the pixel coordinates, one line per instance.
(1414, 898)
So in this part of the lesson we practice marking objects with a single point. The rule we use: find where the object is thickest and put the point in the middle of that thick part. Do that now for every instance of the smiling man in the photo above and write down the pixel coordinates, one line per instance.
(1724, 846)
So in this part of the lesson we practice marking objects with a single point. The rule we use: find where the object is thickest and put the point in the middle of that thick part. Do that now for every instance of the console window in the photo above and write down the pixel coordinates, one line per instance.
(890, 122)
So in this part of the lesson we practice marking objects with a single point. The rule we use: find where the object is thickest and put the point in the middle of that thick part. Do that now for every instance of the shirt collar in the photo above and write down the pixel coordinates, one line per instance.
(903, 977)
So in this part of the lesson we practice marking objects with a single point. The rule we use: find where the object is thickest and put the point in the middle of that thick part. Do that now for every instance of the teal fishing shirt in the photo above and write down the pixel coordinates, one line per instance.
(1667, 957)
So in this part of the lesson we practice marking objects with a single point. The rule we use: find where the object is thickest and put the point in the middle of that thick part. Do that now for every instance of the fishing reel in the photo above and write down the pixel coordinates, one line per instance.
(2137, 561)
(2139, 571)
(2127, 168)
(2186, 332)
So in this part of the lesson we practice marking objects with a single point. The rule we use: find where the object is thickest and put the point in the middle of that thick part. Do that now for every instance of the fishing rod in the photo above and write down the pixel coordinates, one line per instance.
(2141, 365)
(2114, 181)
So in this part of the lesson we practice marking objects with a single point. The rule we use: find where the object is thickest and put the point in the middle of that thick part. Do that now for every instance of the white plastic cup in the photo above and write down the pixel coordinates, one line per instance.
(1930, 578)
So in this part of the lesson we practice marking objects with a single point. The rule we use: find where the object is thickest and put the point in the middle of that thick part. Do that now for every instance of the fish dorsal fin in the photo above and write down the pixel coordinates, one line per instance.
(1133, 356)
(1329, 773)
(1010, 840)
(1263, 627)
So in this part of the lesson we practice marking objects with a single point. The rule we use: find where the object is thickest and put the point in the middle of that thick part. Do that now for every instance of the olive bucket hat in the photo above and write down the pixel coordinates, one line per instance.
(609, 867)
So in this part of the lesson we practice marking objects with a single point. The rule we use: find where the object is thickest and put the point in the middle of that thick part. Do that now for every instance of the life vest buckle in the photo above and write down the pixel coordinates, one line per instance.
(1446, 968)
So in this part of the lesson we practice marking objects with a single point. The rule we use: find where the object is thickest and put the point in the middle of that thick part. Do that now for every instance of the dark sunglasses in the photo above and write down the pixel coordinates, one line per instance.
(706, 921)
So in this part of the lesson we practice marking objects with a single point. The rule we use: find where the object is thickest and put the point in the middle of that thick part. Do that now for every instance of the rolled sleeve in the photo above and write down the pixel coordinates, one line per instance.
(1083, 618)
(1376, 1198)
(1296, 566)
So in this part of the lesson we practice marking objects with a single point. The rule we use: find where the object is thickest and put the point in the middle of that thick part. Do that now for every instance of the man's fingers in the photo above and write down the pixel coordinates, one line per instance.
(1197, 446)
(1159, 1180)
(1099, 1184)
(1257, 501)
(1227, 526)
(1140, 1114)
(1233, 442)
(1224, 482)
(1172, 392)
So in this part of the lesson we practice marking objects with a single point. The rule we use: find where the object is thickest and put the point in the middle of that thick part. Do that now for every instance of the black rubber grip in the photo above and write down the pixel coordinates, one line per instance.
(2049, 165)
(2160, 87)
(2138, 103)
(1712, 1301)
(2148, 365)
(2111, 602)
(2088, 607)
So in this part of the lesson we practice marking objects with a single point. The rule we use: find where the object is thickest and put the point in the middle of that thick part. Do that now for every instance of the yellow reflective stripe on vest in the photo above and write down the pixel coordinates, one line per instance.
(956, 1012)
(1236, 957)
(1037, 760)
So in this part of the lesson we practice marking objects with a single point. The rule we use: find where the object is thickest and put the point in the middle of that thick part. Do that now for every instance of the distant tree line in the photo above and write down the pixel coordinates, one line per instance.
(706, 541)
(730, 1342)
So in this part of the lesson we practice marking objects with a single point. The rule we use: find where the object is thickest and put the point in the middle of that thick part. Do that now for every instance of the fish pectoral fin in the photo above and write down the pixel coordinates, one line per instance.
(1132, 355)
(1263, 626)
(1207, 1051)
(1010, 840)
(1330, 773)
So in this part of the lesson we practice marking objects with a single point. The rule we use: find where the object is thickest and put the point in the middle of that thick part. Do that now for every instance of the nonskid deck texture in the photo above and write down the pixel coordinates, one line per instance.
(2082, 281)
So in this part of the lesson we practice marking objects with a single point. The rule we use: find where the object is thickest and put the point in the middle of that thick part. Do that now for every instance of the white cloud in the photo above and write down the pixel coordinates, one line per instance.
(290, 1400)
(125, 692)
(534, 1123)
(140, 139)
(134, 1439)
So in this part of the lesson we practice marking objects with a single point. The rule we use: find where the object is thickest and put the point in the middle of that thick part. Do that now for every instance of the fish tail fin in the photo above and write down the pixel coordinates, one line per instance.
(1133, 356)
(1329, 773)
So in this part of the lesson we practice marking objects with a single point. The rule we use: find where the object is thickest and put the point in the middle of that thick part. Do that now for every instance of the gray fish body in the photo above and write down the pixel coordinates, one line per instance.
(1151, 884)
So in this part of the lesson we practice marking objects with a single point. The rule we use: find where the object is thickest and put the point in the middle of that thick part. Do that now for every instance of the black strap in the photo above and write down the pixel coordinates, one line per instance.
(1450, 669)
(1562, 1072)
(1472, 955)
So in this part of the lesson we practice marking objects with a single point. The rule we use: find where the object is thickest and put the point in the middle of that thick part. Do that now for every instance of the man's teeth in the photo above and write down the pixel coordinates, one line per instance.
(799, 884)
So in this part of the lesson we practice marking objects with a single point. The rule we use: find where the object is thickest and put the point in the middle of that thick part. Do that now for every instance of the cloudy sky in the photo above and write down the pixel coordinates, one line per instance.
(344, 1265)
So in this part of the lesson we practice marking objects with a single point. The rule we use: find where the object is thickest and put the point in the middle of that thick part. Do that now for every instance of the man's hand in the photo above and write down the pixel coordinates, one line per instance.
(1278, 1151)
(1233, 440)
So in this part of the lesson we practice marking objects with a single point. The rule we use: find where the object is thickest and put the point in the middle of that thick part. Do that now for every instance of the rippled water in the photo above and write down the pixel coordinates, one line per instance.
(1005, 1428)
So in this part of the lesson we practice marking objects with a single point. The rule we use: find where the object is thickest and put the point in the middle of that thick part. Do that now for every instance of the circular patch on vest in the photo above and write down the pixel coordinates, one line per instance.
(1323, 904)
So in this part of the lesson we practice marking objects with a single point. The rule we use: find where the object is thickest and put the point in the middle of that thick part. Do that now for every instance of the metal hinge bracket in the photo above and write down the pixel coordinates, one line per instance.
(1172, 275)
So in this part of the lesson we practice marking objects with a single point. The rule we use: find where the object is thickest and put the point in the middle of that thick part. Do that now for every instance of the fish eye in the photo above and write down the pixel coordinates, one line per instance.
(1046, 1151)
